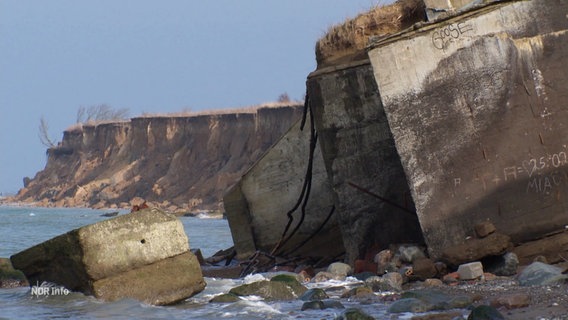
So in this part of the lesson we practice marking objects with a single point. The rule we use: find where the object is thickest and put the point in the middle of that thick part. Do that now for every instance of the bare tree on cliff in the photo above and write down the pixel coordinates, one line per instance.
(44, 133)
(100, 112)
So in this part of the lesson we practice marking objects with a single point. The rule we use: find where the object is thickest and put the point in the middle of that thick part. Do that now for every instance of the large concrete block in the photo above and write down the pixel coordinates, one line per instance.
(257, 206)
(125, 248)
(164, 282)
(479, 119)
(361, 160)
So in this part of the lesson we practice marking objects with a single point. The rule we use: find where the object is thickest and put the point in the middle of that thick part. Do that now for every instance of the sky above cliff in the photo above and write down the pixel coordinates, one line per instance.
(150, 57)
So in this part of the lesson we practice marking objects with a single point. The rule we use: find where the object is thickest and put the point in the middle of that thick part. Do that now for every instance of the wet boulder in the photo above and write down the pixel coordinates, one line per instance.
(268, 290)
(143, 255)
(10, 277)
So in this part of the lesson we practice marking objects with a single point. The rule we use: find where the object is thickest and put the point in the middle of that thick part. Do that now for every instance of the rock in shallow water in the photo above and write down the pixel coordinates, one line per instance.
(143, 255)
(485, 313)
(314, 294)
(354, 314)
(539, 274)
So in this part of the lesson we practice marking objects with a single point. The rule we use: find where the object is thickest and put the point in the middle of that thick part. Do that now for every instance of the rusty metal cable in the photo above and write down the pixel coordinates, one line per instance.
(306, 187)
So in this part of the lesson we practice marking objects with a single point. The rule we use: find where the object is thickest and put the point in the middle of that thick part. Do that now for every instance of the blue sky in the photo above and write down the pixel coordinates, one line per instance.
(149, 57)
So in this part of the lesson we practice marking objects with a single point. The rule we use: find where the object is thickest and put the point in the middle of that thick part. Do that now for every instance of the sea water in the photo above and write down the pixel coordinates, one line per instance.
(22, 227)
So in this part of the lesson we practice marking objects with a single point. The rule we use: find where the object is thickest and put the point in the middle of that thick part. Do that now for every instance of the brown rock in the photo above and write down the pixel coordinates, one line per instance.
(382, 259)
(475, 249)
(364, 266)
(451, 278)
(424, 268)
(484, 229)
(512, 301)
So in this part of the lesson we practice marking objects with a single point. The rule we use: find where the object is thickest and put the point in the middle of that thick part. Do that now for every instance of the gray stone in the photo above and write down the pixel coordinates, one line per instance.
(540, 274)
(225, 298)
(470, 271)
(438, 300)
(485, 313)
(291, 281)
(144, 255)
(314, 294)
(409, 305)
(320, 305)
(354, 314)
(411, 253)
(268, 290)
(391, 281)
(313, 305)
(323, 276)
(339, 268)
(505, 265)
(358, 292)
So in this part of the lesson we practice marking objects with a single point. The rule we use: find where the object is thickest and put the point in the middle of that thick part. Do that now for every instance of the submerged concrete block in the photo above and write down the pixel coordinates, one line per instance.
(148, 244)
(164, 282)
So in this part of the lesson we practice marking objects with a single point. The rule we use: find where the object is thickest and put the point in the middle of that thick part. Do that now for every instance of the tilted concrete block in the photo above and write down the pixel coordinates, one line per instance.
(124, 248)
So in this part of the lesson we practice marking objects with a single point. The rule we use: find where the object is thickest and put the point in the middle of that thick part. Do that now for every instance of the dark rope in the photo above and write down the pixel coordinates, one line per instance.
(316, 231)
(304, 195)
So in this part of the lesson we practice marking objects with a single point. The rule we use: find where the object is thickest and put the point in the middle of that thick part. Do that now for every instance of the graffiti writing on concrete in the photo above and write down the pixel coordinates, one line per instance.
(544, 174)
(442, 37)
(536, 165)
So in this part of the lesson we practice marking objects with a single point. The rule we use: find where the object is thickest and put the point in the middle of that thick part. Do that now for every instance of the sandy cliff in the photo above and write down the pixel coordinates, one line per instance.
(178, 162)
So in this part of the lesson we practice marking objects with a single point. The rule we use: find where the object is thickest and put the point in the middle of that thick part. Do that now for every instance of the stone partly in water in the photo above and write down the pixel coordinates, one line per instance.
(540, 274)
(354, 314)
(292, 282)
(268, 290)
(391, 281)
(320, 305)
(485, 313)
(410, 305)
(340, 269)
(429, 300)
(314, 294)
(225, 298)
(10, 277)
(143, 255)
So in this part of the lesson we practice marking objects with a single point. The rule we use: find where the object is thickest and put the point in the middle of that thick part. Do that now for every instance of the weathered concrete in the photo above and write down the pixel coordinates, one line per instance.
(258, 204)
(476, 105)
(120, 257)
(358, 150)
(441, 8)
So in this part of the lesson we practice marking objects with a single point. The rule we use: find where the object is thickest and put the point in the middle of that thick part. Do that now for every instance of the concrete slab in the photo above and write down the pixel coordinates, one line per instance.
(109, 259)
(476, 108)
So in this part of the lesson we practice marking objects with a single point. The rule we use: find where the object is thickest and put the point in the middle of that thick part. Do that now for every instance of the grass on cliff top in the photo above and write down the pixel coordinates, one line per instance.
(353, 34)
(247, 109)
(78, 127)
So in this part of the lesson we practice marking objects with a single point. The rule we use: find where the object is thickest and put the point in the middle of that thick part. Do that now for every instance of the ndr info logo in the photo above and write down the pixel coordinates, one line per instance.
(48, 289)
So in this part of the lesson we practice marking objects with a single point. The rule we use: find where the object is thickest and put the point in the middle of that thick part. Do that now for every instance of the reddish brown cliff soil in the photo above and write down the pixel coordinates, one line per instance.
(180, 163)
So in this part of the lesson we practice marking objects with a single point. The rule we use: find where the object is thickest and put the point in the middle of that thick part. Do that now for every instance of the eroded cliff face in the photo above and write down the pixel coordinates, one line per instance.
(182, 162)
